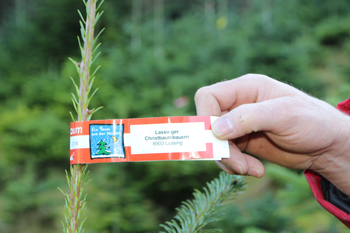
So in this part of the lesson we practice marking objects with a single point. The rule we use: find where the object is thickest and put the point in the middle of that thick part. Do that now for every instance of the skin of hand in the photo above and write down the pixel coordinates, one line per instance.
(280, 124)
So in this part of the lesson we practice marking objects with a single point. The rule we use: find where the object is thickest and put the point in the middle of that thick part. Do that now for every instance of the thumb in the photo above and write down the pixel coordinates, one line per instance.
(253, 117)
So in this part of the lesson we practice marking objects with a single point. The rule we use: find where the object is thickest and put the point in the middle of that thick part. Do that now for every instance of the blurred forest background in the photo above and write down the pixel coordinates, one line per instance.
(155, 55)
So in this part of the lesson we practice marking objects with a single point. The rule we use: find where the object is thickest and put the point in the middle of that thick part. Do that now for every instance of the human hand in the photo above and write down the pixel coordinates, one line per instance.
(280, 124)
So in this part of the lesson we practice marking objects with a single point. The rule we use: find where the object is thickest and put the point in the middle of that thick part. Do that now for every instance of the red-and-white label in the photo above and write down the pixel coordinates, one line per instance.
(145, 139)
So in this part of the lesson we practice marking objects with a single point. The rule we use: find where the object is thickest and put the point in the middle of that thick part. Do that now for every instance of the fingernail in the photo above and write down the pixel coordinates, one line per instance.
(254, 172)
(237, 168)
(222, 126)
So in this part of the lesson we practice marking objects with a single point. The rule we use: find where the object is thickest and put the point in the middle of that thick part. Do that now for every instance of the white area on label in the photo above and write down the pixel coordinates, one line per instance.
(79, 142)
(174, 137)
(166, 138)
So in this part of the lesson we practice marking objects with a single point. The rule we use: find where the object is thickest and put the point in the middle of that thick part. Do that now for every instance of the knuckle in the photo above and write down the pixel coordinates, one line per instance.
(263, 77)
(201, 93)
(257, 77)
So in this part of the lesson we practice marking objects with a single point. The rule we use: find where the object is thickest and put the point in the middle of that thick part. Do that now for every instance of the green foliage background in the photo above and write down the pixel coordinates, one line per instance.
(304, 43)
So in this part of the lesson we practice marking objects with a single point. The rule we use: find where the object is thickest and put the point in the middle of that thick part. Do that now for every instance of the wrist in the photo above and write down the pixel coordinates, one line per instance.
(334, 165)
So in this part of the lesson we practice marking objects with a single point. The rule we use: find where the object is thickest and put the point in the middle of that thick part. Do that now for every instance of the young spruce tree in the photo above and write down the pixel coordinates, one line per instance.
(75, 201)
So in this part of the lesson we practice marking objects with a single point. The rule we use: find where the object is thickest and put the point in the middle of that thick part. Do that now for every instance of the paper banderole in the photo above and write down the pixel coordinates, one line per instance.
(145, 139)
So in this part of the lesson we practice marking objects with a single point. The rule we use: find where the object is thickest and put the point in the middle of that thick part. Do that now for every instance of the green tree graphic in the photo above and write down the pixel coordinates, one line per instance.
(102, 148)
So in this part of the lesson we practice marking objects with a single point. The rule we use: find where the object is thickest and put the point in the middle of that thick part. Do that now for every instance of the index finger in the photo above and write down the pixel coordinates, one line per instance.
(217, 99)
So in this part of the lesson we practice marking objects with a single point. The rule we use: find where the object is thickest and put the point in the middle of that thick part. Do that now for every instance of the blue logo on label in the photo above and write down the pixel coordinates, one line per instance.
(106, 141)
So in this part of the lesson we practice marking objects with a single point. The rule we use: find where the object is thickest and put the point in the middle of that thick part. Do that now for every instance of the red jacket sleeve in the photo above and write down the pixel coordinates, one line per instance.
(314, 181)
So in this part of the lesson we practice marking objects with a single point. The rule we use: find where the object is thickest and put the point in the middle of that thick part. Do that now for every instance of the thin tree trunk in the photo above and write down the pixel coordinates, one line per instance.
(20, 12)
(136, 27)
(266, 16)
(209, 12)
(159, 29)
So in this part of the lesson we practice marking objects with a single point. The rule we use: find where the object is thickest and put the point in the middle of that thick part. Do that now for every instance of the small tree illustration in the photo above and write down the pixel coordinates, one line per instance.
(102, 147)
